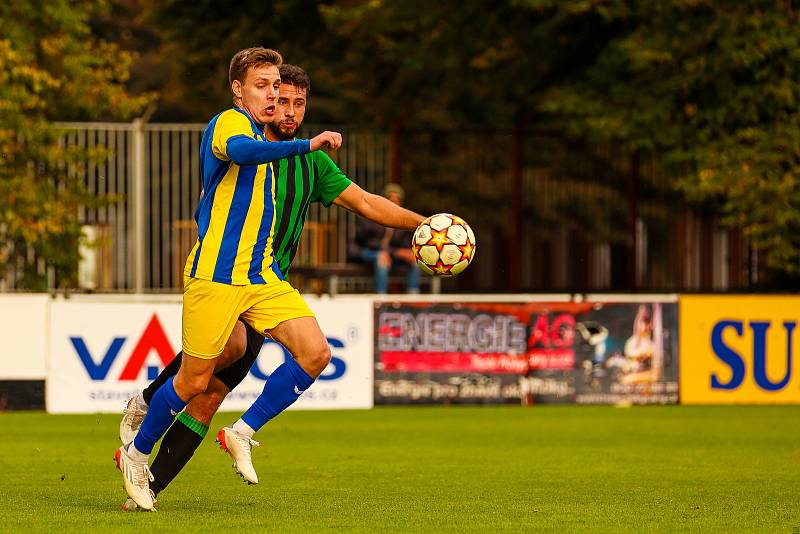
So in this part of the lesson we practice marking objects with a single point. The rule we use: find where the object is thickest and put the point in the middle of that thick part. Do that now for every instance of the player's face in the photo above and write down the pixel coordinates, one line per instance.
(258, 93)
(290, 111)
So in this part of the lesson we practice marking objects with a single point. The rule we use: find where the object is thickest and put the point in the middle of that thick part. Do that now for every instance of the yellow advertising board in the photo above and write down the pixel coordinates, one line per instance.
(739, 349)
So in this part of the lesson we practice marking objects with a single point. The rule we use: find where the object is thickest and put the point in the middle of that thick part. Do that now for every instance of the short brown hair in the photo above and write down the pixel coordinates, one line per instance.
(252, 57)
(294, 75)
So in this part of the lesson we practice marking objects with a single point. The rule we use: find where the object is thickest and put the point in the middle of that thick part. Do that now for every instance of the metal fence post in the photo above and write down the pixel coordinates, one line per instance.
(138, 190)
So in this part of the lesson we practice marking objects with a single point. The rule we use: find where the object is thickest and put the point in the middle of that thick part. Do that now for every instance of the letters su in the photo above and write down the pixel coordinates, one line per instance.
(736, 362)
(154, 339)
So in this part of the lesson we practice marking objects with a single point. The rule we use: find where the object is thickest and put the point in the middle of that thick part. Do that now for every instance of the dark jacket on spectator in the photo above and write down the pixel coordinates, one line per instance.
(369, 236)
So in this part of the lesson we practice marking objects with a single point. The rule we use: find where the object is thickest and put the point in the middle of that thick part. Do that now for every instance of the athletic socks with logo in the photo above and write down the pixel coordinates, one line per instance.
(164, 406)
(177, 448)
(283, 387)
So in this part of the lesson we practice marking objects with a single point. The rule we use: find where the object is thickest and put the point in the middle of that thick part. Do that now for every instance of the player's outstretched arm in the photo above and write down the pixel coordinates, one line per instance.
(244, 150)
(377, 208)
(232, 139)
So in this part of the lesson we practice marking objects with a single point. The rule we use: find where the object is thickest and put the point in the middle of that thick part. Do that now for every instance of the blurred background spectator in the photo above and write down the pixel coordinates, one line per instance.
(386, 249)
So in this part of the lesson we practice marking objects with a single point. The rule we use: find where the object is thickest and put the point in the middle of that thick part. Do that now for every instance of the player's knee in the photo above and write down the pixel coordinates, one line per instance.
(192, 385)
(317, 359)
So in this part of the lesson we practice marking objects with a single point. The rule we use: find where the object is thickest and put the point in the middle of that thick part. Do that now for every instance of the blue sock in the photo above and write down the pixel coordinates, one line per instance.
(164, 406)
(282, 388)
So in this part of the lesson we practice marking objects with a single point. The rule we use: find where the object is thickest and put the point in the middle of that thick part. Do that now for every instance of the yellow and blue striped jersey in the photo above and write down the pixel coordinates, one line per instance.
(236, 213)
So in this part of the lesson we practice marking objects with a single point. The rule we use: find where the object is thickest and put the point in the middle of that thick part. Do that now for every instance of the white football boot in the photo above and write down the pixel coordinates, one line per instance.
(130, 506)
(136, 478)
(131, 420)
(240, 448)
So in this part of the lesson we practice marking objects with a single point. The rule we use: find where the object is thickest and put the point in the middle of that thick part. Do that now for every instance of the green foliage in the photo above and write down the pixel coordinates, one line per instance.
(199, 38)
(464, 72)
(712, 87)
(51, 67)
(438, 64)
(709, 87)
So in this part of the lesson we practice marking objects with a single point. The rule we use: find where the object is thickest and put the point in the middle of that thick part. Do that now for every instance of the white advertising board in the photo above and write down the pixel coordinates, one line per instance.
(23, 329)
(102, 352)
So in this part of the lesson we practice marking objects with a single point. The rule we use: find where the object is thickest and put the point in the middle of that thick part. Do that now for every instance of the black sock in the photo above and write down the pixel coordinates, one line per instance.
(177, 448)
(169, 370)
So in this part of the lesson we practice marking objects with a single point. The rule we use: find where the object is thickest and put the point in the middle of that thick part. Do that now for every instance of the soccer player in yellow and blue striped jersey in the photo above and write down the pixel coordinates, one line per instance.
(299, 181)
(267, 303)
(231, 271)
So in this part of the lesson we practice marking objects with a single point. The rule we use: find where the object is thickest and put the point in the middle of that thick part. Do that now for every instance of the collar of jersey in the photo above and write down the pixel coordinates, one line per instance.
(253, 123)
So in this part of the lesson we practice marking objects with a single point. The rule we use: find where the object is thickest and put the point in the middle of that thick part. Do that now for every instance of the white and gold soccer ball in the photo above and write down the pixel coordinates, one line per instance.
(443, 245)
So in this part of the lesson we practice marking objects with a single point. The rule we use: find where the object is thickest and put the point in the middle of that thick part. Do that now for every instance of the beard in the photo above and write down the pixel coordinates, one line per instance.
(283, 134)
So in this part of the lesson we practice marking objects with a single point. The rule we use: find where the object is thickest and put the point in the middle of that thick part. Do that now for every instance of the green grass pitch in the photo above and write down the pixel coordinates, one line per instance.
(445, 469)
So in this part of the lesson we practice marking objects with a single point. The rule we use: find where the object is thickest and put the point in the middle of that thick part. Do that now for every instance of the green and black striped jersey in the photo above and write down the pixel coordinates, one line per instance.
(301, 180)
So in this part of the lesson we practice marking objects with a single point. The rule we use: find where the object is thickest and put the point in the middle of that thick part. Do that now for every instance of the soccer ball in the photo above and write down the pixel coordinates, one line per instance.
(443, 245)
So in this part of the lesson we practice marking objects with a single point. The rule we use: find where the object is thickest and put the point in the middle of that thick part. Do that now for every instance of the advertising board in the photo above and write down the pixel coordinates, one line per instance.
(739, 349)
(23, 327)
(101, 353)
(495, 352)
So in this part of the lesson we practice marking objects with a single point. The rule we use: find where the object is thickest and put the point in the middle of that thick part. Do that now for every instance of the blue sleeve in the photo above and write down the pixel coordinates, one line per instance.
(243, 150)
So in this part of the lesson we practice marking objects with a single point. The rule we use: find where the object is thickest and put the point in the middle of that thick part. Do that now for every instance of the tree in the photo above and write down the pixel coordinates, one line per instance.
(713, 89)
(705, 89)
(709, 88)
(51, 67)
(438, 64)
(198, 39)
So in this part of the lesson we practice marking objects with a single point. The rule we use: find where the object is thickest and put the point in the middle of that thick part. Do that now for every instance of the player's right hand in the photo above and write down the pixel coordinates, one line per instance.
(331, 139)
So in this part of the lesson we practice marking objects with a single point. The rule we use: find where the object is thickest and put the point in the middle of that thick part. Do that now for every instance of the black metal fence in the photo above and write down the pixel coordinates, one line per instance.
(549, 216)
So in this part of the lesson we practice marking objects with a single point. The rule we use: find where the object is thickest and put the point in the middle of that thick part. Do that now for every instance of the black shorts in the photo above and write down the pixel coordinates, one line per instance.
(233, 375)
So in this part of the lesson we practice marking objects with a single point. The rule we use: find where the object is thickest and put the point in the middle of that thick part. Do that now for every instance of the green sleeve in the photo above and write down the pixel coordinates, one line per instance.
(330, 181)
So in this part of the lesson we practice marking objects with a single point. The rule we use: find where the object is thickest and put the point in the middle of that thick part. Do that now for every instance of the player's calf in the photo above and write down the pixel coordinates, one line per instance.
(306, 342)
(204, 407)
(283, 387)
(185, 435)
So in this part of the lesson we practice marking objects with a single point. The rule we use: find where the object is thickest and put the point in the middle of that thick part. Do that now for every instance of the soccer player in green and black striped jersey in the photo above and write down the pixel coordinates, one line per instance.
(301, 180)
